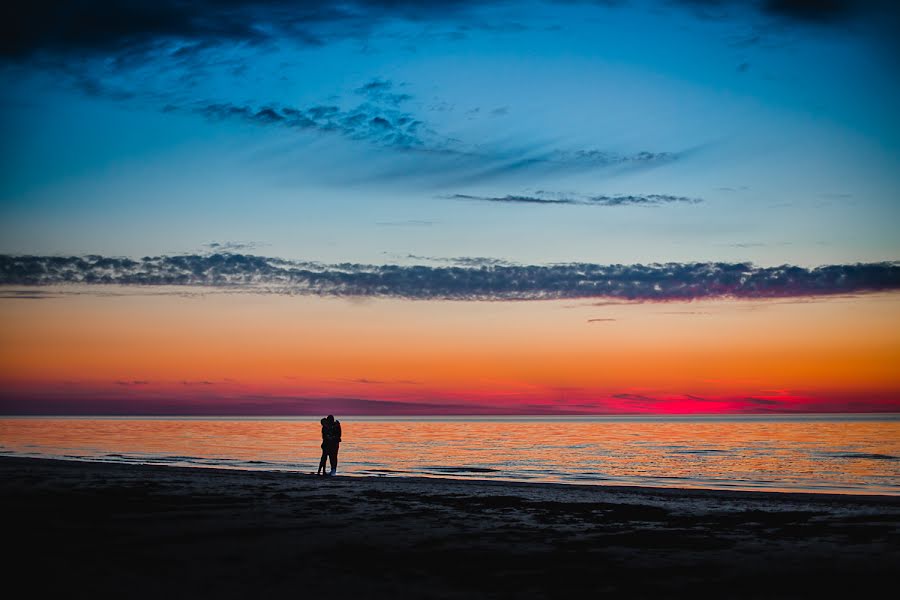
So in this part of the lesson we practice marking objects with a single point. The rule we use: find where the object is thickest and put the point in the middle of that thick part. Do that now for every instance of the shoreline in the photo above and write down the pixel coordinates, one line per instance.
(145, 531)
(649, 490)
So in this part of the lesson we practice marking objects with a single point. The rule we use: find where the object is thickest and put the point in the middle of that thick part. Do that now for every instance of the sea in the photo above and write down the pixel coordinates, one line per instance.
(845, 454)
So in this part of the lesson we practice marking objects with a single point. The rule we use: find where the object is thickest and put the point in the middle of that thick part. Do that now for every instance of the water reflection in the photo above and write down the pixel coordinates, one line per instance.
(852, 455)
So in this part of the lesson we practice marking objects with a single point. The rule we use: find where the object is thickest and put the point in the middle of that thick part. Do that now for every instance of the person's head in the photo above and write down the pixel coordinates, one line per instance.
(323, 421)
(330, 418)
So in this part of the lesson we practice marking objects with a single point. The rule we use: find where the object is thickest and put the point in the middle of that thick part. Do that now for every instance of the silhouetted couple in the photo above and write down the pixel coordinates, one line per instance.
(331, 443)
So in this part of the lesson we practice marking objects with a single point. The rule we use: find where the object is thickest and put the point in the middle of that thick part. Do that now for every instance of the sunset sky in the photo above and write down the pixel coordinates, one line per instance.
(391, 207)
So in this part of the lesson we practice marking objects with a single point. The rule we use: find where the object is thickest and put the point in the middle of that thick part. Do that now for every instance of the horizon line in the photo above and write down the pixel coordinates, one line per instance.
(460, 415)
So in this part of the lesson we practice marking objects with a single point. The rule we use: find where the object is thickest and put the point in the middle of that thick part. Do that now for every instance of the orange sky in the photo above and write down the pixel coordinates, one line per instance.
(161, 350)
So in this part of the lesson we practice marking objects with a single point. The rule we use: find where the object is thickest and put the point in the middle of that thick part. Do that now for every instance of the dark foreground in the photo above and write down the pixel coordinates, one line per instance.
(85, 529)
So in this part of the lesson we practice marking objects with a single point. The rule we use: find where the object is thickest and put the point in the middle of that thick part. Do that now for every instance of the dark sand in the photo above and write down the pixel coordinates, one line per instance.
(75, 529)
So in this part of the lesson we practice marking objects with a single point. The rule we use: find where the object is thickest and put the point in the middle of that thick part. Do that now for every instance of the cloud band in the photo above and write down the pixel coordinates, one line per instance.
(651, 282)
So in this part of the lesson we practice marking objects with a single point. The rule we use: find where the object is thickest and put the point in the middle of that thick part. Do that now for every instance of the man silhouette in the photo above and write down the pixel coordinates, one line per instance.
(332, 441)
(321, 469)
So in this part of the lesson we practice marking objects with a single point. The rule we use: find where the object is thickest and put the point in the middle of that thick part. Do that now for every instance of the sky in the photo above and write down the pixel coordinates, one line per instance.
(396, 207)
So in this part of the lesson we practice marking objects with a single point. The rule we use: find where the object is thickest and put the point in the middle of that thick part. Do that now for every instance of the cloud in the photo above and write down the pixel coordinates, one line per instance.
(153, 54)
(813, 11)
(648, 283)
(819, 12)
(232, 246)
(598, 200)
(84, 400)
(636, 398)
(511, 199)
(380, 122)
(93, 27)
(129, 27)
(379, 90)
(29, 294)
(110, 26)
(761, 401)
(406, 223)
(463, 261)
(380, 125)
(366, 381)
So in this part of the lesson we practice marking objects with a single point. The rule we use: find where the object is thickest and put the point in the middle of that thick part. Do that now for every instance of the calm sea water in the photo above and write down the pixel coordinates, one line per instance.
(843, 454)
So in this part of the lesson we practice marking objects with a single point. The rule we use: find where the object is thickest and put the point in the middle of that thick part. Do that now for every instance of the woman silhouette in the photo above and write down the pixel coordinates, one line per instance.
(321, 469)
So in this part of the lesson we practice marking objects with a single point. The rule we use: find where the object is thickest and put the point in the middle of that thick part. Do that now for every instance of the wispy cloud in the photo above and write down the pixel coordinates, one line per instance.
(583, 200)
(367, 381)
(379, 121)
(406, 223)
(381, 91)
(29, 294)
(463, 261)
(635, 398)
(652, 282)
(378, 124)
(84, 400)
(233, 246)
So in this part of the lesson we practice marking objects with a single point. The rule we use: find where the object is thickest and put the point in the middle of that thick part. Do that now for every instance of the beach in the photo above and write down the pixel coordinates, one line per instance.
(138, 531)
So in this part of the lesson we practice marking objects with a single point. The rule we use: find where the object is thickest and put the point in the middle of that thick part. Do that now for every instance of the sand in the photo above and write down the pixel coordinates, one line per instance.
(78, 529)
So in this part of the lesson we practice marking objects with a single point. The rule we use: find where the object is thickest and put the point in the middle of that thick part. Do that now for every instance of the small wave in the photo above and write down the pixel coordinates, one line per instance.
(382, 471)
(863, 456)
(147, 458)
(462, 469)
(709, 451)
(165, 458)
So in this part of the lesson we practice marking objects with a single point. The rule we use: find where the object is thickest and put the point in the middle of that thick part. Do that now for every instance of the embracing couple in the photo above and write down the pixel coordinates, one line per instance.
(331, 443)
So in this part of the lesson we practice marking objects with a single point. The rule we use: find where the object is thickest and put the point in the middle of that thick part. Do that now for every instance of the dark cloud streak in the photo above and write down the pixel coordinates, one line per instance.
(645, 283)
(380, 125)
(129, 27)
(816, 12)
(116, 27)
(597, 200)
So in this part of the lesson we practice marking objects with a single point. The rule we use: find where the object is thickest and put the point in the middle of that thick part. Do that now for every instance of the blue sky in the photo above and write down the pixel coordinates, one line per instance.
(394, 132)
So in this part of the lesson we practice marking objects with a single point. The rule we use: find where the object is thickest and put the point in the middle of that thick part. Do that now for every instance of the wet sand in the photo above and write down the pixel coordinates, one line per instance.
(133, 531)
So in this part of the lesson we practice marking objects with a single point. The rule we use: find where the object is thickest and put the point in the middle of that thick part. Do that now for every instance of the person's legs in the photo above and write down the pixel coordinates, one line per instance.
(332, 456)
(322, 460)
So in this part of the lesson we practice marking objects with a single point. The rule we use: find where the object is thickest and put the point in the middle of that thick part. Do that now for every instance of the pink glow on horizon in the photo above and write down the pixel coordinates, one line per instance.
(221, 399)
(275, 355)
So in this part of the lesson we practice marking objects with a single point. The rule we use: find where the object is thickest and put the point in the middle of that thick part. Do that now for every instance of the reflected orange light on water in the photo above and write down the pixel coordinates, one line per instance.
(818, 455)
